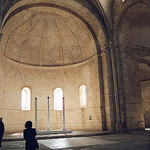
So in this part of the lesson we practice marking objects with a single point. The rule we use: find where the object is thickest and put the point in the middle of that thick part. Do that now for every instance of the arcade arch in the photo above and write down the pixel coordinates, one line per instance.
(53, 44)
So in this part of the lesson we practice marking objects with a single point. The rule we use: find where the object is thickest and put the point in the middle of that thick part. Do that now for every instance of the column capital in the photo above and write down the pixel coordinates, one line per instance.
(107, 47)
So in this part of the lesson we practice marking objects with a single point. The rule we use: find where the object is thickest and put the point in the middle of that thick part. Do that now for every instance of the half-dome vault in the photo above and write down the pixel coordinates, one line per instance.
(47, 36)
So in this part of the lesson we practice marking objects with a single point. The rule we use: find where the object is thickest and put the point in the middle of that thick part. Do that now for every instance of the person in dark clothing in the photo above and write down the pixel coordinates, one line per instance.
(29, 135)
(1, 131)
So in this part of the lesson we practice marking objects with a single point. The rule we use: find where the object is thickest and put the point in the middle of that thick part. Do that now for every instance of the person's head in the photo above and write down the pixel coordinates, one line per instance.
(1, 119)
(28, 124)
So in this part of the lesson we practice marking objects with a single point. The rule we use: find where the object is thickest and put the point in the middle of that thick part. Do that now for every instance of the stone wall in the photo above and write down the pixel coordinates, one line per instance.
(43, 81)
(145, 88)
(132, 39)
(131, 83)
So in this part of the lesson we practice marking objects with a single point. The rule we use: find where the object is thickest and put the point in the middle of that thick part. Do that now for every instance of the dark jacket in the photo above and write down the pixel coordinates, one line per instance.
(1, 128)
(29, 136)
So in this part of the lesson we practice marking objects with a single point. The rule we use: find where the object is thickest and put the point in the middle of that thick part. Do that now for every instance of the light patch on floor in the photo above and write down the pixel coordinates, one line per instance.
(148, 129)
(74, 142)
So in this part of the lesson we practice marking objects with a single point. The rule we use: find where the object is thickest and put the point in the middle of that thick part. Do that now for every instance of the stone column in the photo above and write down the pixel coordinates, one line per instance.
(120, 87)
(102, 98)
(109, 88)
(1, 5)
(116, 88)
(36, 113)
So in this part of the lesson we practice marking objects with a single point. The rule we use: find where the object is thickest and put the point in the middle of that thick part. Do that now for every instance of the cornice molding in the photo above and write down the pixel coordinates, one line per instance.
(110, 45)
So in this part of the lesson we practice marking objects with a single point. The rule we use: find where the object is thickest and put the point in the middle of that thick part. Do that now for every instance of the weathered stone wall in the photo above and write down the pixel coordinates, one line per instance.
(132, 40)
(120, 80)
(43, 81)
(145, 88)
(131, 83)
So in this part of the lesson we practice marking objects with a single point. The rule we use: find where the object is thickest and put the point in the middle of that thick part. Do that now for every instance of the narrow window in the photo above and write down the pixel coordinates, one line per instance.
(25, 98)
(58, 95)
(83, 96)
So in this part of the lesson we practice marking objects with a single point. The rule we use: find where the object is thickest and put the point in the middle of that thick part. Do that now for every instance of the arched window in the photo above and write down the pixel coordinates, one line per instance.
(58, 95)
(83, 96)
(25, 98)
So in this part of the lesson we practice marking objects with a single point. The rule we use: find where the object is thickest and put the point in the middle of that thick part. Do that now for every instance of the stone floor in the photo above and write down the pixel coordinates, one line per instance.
(137, 140)
(19, 136)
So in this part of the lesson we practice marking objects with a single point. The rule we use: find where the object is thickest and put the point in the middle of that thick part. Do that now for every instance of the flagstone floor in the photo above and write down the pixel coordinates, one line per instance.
(128, 141)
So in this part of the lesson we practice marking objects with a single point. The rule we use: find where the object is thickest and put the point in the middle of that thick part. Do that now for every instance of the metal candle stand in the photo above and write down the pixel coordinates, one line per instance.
(49, 131)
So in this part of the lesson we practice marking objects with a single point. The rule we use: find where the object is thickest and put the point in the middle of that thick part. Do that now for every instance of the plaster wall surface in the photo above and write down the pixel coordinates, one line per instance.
(42, 82)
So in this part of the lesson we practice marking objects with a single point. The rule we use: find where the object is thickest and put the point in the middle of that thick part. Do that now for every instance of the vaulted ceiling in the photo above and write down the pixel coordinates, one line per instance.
(51, 33)
(56, 32)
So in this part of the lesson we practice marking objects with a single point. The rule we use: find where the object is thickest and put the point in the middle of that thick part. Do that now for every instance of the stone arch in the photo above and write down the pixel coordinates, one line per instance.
(132, 43)
(101, 68)
(100, 36)
(144, 72)
(135, 18)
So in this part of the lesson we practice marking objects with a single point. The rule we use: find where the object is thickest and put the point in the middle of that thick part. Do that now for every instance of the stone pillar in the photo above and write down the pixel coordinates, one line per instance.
(36, 113)
(1, 5)
(102, 99)
(1, 19)
(0, 36)
(116, 89)
(48, 115)
(63, 113)
(109, 88)
(119, 89)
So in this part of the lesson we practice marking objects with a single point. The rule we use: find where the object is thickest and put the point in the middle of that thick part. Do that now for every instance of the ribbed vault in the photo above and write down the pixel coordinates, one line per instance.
(51, 34)
(47, 38)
